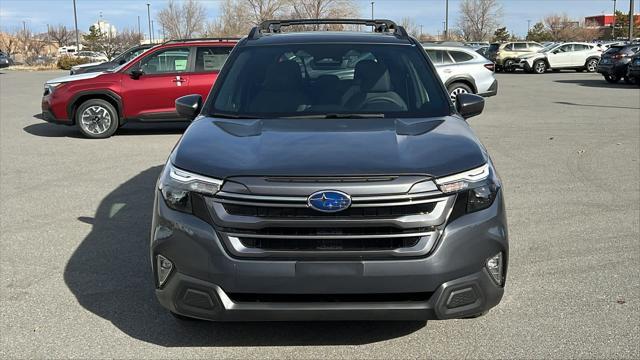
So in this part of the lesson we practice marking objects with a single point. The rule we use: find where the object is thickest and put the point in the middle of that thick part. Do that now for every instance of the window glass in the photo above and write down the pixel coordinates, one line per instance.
(173, 60)
(320, 79)
(519, 46)
(565, 48)
(460, 56)
(509, 47)
(212, 58)
(133, 54)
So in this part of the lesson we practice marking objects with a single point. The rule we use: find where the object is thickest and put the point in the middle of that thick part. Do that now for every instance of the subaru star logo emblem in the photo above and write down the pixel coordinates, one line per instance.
(329, 201)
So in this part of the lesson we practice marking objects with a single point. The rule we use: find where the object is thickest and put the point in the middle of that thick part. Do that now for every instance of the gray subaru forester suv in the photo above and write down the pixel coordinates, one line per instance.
(328, 176)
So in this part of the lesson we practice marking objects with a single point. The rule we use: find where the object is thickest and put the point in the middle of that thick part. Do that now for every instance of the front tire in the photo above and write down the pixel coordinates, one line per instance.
(612, 79)
(540, 67)
(591, 65)
(509, 66)
(458, 88)
(97, 119)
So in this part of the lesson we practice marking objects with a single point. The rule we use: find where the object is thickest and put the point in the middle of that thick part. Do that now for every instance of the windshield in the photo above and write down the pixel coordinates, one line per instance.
(297, 80)
(548, 47)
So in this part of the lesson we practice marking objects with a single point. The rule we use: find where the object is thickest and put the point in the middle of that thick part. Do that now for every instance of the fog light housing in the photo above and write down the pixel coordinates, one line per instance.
(495, 266)
(164, 267)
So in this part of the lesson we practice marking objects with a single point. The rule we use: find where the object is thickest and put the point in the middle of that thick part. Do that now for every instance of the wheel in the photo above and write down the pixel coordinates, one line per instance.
(591, 65)
(628, 80)
(613, 79)
(458, 88)
(97, 119)
(539, 67)
(509, 65)
(182, 317)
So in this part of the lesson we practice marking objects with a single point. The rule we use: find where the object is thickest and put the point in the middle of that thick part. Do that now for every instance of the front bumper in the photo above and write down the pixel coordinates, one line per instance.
(208, 283)
(48, 113)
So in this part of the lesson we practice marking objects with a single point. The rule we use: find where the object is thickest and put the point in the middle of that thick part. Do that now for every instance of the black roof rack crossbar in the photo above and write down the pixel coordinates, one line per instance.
(379, 25)
(203, 39)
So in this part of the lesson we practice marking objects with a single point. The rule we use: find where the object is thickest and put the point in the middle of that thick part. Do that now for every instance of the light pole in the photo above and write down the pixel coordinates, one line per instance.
(149, 18)
(613, 27)
(139, 25)
(446, 20)
(631, 20)
(420, 31)
(372, 3)
(75, 18)
(152, 31)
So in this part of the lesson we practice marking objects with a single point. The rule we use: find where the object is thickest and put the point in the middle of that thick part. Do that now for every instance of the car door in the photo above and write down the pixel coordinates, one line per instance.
(580, 54)
(208, 62)
(561, 56)
(442, 62)
(151, 86)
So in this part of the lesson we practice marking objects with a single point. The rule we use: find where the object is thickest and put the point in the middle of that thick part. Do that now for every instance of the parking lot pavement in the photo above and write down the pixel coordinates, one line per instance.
(75, 277)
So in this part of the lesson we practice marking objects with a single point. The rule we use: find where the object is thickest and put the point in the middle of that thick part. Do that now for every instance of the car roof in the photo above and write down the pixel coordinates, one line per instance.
(327, 37)
(448, 47)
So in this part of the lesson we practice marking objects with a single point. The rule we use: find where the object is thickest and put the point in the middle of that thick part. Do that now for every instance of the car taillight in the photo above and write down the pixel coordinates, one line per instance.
(490, 66)
(618, 56)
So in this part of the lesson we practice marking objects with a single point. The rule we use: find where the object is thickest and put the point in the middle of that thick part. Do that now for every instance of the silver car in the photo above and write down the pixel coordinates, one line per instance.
(462, 70)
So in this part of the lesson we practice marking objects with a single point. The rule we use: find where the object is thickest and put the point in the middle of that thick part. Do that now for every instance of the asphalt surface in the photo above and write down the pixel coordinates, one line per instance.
(75, 278)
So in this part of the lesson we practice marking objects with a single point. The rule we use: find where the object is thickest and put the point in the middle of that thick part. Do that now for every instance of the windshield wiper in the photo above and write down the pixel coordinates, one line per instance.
(232, 116)
(335, 116)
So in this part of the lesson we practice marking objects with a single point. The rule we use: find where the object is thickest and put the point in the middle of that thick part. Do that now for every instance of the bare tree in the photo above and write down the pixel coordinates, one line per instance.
(560, 27)
(9, 43)
(182, 19)
(319, 9)
(262, 10)
(410, 26)
(479, 19)
(61, 35)
(234, 20)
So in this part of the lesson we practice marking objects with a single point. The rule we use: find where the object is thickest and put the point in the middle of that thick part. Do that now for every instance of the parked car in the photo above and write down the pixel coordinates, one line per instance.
(504, 55)
(93, 56)
(477, 44)
(463, 71)
(143, 89)
(115, 62)
(5, 60)
(614, 62)
(483, 50)
(633, 70)
(298, 195)
(563, 56)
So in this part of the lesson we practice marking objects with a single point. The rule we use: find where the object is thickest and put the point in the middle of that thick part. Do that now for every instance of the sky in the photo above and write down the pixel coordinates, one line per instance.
(430, 13)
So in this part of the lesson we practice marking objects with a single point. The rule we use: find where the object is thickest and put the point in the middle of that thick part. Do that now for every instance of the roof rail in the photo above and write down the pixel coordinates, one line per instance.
(379, 25)
(202, 39)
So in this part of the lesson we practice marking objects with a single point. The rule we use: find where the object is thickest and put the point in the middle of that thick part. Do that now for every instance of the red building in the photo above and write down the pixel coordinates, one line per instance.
(604, 20)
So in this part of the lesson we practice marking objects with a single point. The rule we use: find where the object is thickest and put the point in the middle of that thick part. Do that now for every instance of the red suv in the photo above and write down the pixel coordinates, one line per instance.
(144, 89)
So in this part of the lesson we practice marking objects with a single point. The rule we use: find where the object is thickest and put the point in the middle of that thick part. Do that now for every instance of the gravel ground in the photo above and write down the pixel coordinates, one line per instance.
(75, 278)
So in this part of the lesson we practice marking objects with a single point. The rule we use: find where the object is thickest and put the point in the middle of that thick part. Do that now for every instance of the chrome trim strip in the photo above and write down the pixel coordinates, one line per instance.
(265, 204)
(300, 201)
(327, 237)
(263, 197)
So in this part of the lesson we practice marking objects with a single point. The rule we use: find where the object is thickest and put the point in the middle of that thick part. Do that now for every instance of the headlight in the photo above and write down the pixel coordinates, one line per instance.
(481, 186)
(50, 87)
(178, 185)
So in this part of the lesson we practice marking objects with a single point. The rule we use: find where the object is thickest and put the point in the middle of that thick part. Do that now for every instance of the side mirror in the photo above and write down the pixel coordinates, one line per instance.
(189, 106)
(136, 73)
(469, 105)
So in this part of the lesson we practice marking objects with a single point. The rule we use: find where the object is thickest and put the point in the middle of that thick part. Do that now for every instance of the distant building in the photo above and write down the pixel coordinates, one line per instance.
(105, 27)
(604, 21)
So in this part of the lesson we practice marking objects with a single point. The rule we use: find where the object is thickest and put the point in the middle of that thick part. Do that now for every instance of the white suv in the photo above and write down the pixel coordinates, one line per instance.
(462, 70)
(573, 55)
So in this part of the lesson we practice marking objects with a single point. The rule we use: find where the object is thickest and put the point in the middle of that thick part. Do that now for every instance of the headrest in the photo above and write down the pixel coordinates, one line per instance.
(283, 75)
(373, 76)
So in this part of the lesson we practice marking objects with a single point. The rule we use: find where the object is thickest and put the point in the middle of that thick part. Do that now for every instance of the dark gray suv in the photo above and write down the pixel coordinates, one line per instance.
(328, 176)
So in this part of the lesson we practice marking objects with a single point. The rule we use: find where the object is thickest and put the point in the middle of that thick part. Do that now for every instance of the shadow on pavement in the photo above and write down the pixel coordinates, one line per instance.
(46, 129)
(597, 106)
(597, 83)
(110, 275)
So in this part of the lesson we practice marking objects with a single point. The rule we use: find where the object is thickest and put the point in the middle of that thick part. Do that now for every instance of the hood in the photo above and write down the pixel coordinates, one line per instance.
(69, 78)
(87, 65)
(328, 147)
